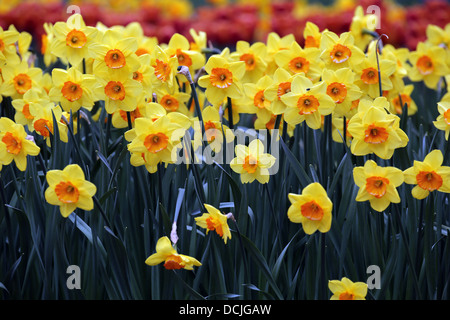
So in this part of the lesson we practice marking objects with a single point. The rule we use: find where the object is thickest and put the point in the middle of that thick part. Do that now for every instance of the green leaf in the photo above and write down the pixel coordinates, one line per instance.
(262, 263)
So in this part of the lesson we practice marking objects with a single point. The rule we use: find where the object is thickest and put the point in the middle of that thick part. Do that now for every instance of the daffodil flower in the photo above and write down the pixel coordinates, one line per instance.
(345, 289)
(252, 163)
(223, 79)
(281, 85)
(275, 43)
(19, 78)
(312, 35)
(43, 121)
(312, 208)
(342, 89)
(429, 64)
(368, 79)
(15, 145)
(214, 220)
(298, 60)
(33, 98)
(73, 43)
(375, 131)
(179, 47)
(307, 102)
(378, 184)
(443, 120)
(72, 89)
(339, 51)
(253, 55)
(118, 89)
(69, 190)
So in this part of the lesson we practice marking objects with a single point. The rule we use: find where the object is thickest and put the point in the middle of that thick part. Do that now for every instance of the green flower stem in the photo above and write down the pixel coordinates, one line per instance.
(396, 209)
(77, 146)
(102, 212)
(108, 130)
(42, 163)
(230, 113)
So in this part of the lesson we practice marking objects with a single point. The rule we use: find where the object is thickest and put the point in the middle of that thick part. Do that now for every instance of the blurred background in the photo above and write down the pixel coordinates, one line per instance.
(225, 22)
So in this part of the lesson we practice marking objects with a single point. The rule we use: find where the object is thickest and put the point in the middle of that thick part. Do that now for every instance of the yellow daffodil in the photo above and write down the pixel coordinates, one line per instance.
(164, 68)
(377, 184)
(172, 99)
(215, 131)
(23, 43)
(69, 190)
(166, 253)
(402, 98)
(33, 98)
(8, 38)
(265, 120)
(145, 44)
(153, 142)
(429, 175)
(312, 208)
(254, 94)
(341, 88)
(19, 78)
(253, 55)
(46, 82)
(398, 57)
(438, 36)
(274, 44)
(401, 54)
(214, 220)
(143, 75)
(339, 51)
(375, 131)
(154, 111)
(360, 24)
(199, 40)
(312, 35)
(72, 89)
(69, 118)
(46, 43)
(281, 85)
(307, 102)
(118, 89)
(223, 79)
(114, 52)
(15, 145)
(298, 60)
(157, 111)
(120, 117)
(428, 64)
(239, 106)
(43, 121)
(345, 289)
(443, 120)
(252, 163)
(73, 41)
(337, 132)
(367, 74)
(179, 47)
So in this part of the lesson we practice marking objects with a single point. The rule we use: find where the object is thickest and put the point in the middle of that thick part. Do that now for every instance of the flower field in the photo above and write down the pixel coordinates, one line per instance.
(275, 155)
